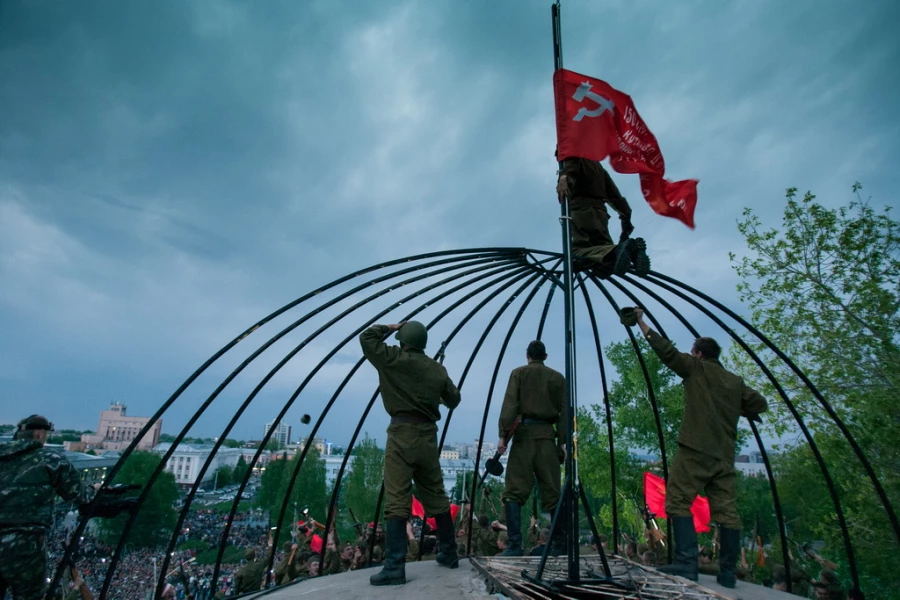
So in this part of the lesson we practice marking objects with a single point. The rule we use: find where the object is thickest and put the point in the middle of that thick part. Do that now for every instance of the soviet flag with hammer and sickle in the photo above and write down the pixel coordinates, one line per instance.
(595, 121)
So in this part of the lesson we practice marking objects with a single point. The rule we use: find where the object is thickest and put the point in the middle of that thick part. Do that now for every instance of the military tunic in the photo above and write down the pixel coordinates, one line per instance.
(412, 387)
(536, 393)
(249, 578)
(590, 190)
(31, 477)
(714, 400)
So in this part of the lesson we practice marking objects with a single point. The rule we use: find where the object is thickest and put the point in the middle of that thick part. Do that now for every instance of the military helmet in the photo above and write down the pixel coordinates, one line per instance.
(34, 422)
(413, 334)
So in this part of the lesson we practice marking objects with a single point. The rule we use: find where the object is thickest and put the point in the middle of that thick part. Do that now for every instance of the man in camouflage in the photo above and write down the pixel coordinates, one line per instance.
(537, 394)
(31, 476)
(412, 388)
(714, 400)
(589, 189)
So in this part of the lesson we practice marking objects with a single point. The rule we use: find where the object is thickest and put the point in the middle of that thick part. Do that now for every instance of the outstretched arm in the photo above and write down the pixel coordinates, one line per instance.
(679, 362)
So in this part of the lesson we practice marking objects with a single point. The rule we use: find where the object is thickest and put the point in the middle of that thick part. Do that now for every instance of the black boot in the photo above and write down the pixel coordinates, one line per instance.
(558, 537)
(623, 257)
(447, 555)
(395, 541)
(686, 551)
(639, 257)
(731, 540)
(513, 529)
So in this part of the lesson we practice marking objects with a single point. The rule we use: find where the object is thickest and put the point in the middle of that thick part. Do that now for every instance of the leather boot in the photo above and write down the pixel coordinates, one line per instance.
(395, 542)
(686, 550)
(731, 541)
(447, 555)
(623, 257)
(558, 537)
(513, 529)
(639, 257)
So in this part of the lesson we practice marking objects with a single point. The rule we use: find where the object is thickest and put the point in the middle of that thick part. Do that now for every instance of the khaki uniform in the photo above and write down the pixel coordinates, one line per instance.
(412, 387)
(484, 540)
(536, 393)
(249, 578)
(31, 477)
(590, 190)
(714, 400)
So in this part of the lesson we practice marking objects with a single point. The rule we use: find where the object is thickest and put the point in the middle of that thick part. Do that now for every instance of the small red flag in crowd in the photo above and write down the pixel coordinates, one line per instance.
(417, 509)
(595, 121)
(655, 497)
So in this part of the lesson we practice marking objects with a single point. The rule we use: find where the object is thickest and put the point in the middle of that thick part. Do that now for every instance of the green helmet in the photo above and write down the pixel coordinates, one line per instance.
(413, 334)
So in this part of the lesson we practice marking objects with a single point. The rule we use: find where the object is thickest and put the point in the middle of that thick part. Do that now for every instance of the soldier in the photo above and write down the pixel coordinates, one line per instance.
(412, 387)
(537, 394)
(31, 476)
(590, 188)
(714, 400)
(287, 568)
(249, 578)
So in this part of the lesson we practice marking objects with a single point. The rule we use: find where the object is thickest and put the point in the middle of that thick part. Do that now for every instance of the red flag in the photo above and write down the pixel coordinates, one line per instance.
(655, 497)
(595, 120)
(417, 509)
(316, 544)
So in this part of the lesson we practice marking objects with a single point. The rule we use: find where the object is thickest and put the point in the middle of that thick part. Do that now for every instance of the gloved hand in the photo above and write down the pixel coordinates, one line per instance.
(627, 227)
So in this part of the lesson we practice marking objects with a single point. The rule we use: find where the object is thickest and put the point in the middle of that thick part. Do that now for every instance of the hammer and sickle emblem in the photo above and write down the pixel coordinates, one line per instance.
(603, 104)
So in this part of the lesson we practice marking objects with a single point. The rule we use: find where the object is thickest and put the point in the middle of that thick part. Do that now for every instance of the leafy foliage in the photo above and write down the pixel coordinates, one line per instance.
(825, 288)
(363, 481)
(156, 517)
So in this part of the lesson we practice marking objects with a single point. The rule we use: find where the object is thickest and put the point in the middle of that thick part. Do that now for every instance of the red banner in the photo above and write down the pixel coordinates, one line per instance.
(655, 497)
(596, 121)
(417, 509)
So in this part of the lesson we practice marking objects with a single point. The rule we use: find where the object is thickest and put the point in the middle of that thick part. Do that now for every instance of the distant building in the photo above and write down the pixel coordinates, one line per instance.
(450, 454)
(117, 430)
(92, 469)
(323, 447)
(282, 433)
(187, 459)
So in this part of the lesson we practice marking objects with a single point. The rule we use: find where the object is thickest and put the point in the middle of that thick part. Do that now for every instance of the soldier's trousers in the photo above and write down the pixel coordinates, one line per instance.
(23, 564)
(590, 223)
(411, 454)
(530, 459)
(693, 471)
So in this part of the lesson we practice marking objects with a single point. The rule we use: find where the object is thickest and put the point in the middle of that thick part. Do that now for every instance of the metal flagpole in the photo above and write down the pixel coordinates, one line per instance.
(570, 493)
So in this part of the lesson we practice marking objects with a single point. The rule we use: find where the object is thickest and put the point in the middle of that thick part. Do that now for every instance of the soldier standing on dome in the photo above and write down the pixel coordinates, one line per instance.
(537, 394)
(31, 476)
(412, 388)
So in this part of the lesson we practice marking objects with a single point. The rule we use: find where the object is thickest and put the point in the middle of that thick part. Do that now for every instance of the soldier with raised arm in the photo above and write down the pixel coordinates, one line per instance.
(413, 386)
(714, 400)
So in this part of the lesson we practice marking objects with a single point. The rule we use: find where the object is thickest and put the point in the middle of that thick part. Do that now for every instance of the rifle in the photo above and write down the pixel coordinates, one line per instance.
(184, 580)
(109, 503)
(654, 535)
(82, 588)
(356, 523)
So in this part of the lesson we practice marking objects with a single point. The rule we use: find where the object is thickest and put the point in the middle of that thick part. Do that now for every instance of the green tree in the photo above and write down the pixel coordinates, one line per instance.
(223, 476)
(825, 288)
(230, 443)
(309, 489)
(240, 470)
(157, 516)
(363, 481)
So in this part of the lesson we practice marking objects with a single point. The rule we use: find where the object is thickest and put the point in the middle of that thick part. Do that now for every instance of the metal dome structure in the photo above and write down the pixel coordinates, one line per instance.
(480, 301)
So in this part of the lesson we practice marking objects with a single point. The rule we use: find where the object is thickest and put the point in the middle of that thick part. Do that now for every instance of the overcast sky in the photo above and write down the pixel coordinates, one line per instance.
(171, 172)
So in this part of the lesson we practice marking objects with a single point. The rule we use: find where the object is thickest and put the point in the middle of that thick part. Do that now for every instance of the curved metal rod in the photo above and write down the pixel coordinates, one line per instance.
(812, 388)
(651, 395)
(309, 377)
(73, 543)
(518, 273)
(842, 522)
(490, 393)
(609, 430)
(779, 515)
(189, 500)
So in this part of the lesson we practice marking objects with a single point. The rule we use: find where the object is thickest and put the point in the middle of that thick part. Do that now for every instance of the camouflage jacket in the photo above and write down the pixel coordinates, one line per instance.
(714, 400)
(31, 477)
(411, 383)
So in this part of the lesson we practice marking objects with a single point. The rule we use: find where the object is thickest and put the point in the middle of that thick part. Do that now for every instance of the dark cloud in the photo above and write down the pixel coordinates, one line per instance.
(172, 171)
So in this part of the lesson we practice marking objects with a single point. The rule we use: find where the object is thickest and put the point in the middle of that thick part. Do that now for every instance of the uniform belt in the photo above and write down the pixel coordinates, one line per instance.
(537, 422)
(410, 419)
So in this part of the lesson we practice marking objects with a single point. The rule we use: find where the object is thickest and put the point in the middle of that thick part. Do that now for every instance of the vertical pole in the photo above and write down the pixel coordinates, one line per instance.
(570, 493)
